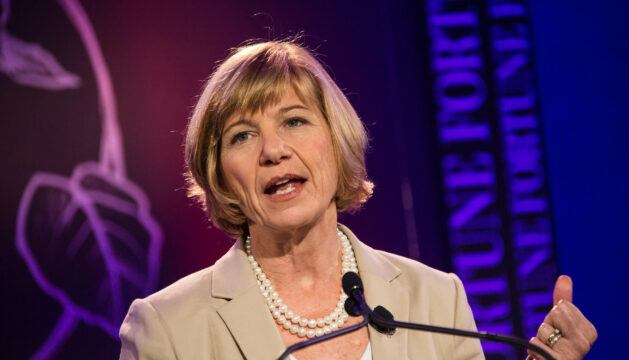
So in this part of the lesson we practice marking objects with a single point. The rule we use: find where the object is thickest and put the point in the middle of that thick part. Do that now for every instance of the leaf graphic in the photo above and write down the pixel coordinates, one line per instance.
(90, 242)
(30, 64)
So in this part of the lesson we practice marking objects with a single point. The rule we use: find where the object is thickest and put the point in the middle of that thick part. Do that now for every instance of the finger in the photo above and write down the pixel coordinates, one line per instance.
(561, 317)
(582, 323)
(544, 331)
(547, 333)
(563, 289)
(530, 353)
(537, 356)
(574, 326)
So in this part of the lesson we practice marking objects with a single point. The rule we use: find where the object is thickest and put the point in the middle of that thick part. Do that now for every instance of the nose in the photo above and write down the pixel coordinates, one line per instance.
(274, 149)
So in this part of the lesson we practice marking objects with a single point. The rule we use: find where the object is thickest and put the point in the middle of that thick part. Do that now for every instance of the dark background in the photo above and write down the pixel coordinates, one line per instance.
(158, 54)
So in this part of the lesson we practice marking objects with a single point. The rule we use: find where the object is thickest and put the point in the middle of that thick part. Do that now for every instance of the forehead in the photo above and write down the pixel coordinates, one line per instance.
(288, 101)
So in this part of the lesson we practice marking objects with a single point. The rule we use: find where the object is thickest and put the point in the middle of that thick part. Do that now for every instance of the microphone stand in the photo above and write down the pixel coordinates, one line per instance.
(383, 321)
(333, 334)
(493, 337)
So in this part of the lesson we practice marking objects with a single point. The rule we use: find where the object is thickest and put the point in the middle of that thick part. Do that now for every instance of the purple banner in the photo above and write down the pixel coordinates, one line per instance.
(522, 158)
(494, 184)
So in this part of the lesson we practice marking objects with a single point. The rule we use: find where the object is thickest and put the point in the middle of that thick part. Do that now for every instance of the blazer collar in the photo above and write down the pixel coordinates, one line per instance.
(378, 275)
(253, 328)
(245, 314)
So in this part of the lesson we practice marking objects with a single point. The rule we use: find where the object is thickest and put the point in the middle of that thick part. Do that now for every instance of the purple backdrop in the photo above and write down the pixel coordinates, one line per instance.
(96, 97)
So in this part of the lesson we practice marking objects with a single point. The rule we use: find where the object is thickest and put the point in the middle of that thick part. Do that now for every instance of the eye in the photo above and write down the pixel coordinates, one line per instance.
(295, 122)
(241, 137)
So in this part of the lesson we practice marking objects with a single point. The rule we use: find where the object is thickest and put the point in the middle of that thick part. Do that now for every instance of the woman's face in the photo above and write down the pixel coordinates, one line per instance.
(279, 162)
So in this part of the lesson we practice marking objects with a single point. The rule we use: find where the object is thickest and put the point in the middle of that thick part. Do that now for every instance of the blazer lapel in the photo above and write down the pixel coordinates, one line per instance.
(377, 274)
(245, 313)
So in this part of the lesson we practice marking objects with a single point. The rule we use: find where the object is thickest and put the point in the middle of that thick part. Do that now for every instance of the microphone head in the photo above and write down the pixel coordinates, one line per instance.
(351, 308)
(351, 282)
(385, 314)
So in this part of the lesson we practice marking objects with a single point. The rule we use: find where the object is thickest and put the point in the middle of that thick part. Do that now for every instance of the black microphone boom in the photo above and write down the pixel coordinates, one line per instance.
(352, 307)
(333, 334)
(383, 321)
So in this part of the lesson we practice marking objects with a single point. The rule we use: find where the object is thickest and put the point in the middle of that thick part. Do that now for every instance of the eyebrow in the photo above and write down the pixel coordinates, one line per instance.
(249, 123)
(239, 122)
(289, 108)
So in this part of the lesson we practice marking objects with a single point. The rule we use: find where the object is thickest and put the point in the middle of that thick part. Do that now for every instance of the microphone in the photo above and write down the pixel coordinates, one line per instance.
(382, 320)
(353, 308)
(385, 314)
(352, 284)
(349, 307)
(355, 304)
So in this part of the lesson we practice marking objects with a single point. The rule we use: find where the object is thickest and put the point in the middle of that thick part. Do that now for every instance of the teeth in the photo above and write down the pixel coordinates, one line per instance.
(285, 191)
(281, 182)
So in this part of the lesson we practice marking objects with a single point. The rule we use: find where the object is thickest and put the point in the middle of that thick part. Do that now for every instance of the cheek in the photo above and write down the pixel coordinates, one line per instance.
(235, 174)
(331, 161)
(329, 168)
(333, 174)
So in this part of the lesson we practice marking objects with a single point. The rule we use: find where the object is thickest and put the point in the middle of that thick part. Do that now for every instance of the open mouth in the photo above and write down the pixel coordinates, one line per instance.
(283, 185)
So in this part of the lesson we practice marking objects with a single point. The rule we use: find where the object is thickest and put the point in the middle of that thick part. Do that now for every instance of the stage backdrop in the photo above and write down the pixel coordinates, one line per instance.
(95, 98)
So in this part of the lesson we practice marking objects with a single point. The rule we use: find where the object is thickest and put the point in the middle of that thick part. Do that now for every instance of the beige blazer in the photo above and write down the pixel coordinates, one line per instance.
(219, 312)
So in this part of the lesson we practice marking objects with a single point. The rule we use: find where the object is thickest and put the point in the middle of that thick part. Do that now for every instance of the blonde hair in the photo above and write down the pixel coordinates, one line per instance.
(253, 77)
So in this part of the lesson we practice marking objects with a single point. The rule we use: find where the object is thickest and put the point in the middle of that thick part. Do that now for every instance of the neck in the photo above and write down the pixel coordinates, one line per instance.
(307, 254)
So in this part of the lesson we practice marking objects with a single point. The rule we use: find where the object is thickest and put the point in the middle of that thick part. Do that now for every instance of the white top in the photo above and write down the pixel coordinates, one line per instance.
(366, 354)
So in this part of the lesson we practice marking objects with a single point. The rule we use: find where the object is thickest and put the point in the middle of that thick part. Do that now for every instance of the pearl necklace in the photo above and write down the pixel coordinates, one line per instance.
(292, 322)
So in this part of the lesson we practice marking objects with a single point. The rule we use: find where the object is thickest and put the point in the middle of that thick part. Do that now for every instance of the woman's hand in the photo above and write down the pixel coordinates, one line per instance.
(565, 333)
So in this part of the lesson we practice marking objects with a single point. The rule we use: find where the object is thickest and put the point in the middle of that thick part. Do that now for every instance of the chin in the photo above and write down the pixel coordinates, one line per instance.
(294, 218)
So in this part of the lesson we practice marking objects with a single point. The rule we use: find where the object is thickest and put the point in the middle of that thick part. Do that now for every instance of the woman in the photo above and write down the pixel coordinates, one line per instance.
(274, 152)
